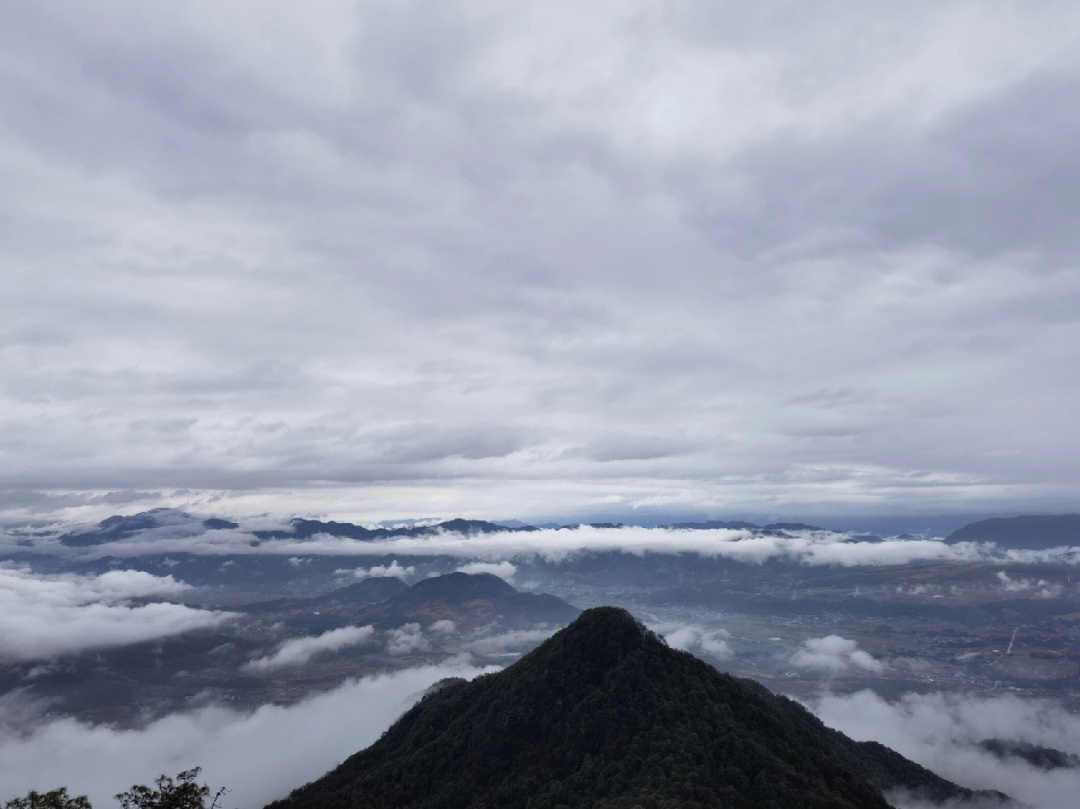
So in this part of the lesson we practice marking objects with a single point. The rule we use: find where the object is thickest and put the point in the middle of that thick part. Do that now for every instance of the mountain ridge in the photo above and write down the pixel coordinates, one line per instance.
(1024, 532)
(449, 595)
(121, 527)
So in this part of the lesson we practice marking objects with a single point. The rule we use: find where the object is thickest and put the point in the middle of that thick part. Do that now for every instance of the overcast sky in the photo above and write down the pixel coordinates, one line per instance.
(380, 260)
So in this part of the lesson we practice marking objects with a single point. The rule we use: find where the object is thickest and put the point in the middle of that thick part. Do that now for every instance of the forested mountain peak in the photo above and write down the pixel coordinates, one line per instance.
(604, 714)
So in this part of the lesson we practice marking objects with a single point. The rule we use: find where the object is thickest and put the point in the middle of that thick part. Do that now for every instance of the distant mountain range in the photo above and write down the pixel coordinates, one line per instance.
(604, 714)
(118, 528)
(305, 529)
(1031, 532)
(478, 596)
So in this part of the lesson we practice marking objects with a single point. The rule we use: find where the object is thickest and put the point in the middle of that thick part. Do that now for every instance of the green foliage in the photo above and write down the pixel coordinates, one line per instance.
(182, 792)
(166, 793)
(56, 799)
(605, 715)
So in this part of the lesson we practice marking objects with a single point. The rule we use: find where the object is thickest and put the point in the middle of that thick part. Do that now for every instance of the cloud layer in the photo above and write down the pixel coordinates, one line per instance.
(377, 260)
(45, 616)
(298, 651)
(494, 552)
(940, 731)
(255, 755)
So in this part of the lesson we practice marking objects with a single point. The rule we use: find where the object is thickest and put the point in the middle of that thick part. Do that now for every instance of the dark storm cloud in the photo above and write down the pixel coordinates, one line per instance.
(382, 258)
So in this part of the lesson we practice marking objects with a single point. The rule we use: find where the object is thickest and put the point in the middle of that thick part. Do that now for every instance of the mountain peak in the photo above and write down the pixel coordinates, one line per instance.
(603, 713)
(601, 637)
(610, 620)
(459, 586)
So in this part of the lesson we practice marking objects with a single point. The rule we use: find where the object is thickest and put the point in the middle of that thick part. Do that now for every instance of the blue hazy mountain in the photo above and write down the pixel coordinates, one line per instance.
(1029, 532)
(472, 597)
(117, 528)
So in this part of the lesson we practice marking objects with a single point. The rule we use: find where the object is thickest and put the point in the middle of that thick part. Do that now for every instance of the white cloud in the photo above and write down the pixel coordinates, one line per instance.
(889, 552)
(300, 650)
(940, 731)
(43, 616)
(504, 570)
(835, 654)
(700, 79)
(806, 547)
(405, 639)
(698, 639)
(443, 627)
(1039, 587)
(509, 643)
(393, 569)
(765, 296)
(1008, 583)
(254, 754)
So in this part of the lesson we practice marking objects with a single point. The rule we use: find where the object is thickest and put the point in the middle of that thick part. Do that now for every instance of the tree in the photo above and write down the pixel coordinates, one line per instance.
(182, 793)
(56, 799)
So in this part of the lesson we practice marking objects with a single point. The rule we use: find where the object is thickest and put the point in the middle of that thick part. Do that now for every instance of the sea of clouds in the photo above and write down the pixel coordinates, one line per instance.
(262, 754)
(258, 755)
(809, 547)
(941, 731)
(297, 651)
(42, 616)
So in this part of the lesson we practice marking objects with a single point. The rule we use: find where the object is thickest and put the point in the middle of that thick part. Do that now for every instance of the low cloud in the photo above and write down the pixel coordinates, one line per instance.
(504, 570)
(392, 570)
(405, 639)
(300, 650)
(509, 643)
(808, 547)
(254, 754)
(835, 654)
(941, 731)
(1038, 587)
(43, 616)
(698, 639)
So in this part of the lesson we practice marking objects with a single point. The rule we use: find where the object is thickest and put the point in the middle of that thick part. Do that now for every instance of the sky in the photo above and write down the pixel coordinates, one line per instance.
(387, 260)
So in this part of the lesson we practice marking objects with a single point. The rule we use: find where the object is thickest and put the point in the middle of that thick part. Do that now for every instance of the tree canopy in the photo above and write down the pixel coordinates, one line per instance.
(182, 792)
